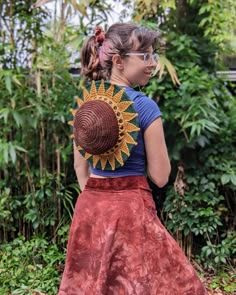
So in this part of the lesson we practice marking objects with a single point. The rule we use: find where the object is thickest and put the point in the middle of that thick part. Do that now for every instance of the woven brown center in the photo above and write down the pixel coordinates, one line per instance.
(96, 128)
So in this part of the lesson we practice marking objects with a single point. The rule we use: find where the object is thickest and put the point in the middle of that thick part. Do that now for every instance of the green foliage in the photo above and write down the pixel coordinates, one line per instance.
(30, 266)
(19, 24)
(194, 212)
(200, 130)
(38, 186)
(214, 255)
(41, 208)
(224, 281)
(218, 21)
(36, 151)
(200, 133)
(4, 212)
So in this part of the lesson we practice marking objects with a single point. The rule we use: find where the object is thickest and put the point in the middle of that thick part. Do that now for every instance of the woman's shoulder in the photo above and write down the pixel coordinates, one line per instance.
(145, 106)
(141, 100)
(134, 94)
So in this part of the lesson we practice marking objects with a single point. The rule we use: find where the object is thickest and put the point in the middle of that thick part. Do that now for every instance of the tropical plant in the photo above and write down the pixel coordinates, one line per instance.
(200, 131)
(29, 267)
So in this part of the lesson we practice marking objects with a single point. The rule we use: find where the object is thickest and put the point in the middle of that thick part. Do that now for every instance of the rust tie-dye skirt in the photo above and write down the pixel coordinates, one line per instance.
(118, 246)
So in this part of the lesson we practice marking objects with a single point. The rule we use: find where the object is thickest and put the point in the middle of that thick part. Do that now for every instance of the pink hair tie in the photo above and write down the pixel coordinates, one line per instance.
(99, 35)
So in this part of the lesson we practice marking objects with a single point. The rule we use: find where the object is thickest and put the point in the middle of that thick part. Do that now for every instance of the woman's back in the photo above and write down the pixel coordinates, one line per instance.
(147, 111)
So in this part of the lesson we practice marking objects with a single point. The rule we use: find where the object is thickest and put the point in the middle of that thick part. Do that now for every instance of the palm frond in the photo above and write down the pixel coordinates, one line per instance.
(164, 63)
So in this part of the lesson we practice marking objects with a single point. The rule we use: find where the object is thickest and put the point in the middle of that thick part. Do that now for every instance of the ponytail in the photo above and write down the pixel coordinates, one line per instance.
(91, 67)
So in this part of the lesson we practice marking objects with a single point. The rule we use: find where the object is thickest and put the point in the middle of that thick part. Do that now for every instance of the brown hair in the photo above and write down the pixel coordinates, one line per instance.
(121, 38)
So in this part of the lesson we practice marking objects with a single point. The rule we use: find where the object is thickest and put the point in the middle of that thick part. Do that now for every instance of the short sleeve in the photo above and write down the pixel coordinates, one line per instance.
(148, 111)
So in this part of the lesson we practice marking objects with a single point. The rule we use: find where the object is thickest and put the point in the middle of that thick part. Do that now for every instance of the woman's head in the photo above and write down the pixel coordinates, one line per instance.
(119, 53)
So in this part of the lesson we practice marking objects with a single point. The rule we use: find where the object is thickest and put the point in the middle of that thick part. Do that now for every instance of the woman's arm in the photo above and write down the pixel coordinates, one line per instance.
(158, 163)
(81, 167)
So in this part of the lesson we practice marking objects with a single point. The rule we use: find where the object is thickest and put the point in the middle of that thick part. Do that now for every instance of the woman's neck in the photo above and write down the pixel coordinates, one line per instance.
(119, 80)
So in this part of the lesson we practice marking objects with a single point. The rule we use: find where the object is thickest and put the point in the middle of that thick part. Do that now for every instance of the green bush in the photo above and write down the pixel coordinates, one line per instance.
(224, 281)
(200, 130)
(213, 255)
(30, 266)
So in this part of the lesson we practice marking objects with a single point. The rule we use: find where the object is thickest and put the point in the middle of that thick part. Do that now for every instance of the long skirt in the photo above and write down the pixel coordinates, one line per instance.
(118, 246)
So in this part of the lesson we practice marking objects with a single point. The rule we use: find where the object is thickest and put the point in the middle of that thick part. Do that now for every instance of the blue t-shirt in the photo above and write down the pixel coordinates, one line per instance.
(148, 111)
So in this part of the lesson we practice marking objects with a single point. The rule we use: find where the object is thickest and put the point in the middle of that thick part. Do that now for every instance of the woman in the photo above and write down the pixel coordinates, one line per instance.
(117, 244)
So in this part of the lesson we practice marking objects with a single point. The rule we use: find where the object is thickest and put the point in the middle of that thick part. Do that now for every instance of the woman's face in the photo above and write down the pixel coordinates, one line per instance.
(138, 66)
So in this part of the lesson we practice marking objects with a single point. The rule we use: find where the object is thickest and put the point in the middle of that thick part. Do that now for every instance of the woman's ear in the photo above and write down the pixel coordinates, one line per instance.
(117, 61)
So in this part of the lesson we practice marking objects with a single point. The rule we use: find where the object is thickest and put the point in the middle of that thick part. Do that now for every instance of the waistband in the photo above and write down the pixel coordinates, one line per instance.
(118, 183)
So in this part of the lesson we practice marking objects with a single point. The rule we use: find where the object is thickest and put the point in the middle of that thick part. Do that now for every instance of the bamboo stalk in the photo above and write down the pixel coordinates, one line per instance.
(58, 161)
(189, 245)
(42, 150)
(38, 82)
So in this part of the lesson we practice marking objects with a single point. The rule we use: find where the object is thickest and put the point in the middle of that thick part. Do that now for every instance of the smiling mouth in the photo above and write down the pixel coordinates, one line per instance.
(148, 73)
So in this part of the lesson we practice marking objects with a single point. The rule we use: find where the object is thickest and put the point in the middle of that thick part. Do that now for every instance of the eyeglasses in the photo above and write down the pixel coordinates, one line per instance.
(147, 57)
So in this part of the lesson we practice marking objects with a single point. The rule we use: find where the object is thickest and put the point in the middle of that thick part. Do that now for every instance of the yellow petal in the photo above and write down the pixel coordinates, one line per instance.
(95, 160)
(87, 156)
(129, 139)
(111, 160)
(103, 163)
(124, 148)
(71, 123)
(93, 91)
(109, 92)
(124, 105)
(86, 94)
(101, 89)
(73, 111)
(119, 157)
(129, 116)
(79, 102)
(116, 98)
(72, 136)
(79, 148)
(131, 127)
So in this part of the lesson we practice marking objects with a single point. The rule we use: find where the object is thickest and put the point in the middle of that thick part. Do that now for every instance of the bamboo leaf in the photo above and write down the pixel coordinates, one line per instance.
(4, 114)
(5, 153)
(17, 117)
(41, 2)
(163, 63)
(79, 7)
(21, 149)
(12, 152)
(16, 81)
(8, 83)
